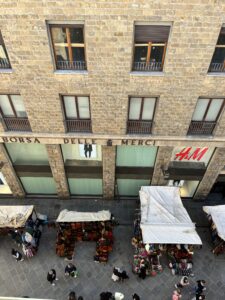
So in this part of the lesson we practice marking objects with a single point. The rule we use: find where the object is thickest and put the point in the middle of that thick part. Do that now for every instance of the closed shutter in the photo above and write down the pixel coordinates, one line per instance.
(222, 30)
(151, 33)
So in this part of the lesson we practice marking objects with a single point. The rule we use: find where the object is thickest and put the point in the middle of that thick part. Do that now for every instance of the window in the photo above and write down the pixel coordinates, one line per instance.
(4, 60)
(206, 114)
(218, 60)
(150, 47)
(77, 113)
(13, 112)
(141, 113)
(68, 46)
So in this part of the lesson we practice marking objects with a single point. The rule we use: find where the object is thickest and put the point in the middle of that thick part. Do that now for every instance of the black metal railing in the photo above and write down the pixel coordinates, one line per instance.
(217, 67)
(71, 65)
(78, 125)
(17, 124)
(4, 63)
(201, 128)
(139, 127)
(148, 66)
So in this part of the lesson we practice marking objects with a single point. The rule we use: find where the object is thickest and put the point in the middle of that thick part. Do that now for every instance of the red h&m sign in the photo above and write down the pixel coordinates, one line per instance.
(187, 154)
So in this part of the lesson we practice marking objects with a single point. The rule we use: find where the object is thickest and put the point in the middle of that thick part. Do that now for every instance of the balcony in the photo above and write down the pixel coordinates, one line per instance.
(71, 65)
(151, 66)
(139, 127)
(217, 67)
(201, 128)
(17, 124)
(4, 63)
(78, 125)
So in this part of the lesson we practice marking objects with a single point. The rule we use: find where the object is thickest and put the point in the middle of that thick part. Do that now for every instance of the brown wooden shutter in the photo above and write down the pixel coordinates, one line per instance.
(1, 39)
(222, 31)
(151, 33)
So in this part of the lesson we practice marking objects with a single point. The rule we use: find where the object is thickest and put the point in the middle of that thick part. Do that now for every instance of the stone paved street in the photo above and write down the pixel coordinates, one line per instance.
(28, 278)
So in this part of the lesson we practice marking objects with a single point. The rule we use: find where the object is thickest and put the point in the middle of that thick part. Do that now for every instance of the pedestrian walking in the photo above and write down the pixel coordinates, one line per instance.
(106, 296)
(72, 296)
(80, 298)
(176, 295)
(51, 276)
(71, 270)
(200, 287)
(135, 297)
(183, 282)
(17, 255)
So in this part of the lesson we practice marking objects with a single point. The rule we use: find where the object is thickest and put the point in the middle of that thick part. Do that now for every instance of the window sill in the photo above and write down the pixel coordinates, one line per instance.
(217, 74)
(69, 72)
(6, 70)
(147, 73)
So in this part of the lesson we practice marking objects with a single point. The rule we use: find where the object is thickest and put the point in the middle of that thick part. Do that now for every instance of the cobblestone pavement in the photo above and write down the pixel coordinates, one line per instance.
(28, 278)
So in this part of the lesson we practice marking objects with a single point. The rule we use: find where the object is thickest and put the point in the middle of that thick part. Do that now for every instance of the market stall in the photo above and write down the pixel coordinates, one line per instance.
(24, 225)
(216, 217)
(76, 226)
(164, 227)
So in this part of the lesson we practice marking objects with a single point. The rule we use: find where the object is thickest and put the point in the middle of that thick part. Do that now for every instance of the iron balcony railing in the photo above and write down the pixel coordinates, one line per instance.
(17, 124)
(201, 128)
(71, 65)
(148, 66)
(4, 63)
(78, 125)
(139, 127)
(217, 67)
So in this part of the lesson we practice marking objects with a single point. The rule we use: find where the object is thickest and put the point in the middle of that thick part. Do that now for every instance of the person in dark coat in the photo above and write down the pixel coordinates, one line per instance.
(17, 255)
(51, 276)
(200, 287)
(106, 296)
(121, 274)
(71, 270)
(135, 297)
(72, 296)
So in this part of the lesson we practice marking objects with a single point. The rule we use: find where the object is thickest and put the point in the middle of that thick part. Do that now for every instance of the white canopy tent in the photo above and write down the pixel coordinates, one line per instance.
(75, 216)
(164, 220)
(15, 216)
(217, 213)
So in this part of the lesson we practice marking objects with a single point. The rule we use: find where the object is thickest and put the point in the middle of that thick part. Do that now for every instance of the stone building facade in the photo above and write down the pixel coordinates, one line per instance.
(109, 81)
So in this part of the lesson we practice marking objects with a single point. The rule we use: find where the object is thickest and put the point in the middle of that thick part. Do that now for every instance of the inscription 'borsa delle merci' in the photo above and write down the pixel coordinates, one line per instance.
(29, 140)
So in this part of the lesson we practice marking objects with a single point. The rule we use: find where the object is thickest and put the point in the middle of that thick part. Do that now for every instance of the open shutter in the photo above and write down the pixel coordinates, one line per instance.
(151, 33)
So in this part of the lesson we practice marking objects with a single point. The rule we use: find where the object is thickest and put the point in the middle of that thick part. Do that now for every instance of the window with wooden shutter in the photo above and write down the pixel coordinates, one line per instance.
(4, 60)
(205, 116)
(150, 43)
(140, 115)
(13, 113)
(68, 46)
(218, 59)
(77, 113)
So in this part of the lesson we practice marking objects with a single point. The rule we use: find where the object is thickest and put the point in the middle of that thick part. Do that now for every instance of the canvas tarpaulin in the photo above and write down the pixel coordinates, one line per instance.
(15, 216)
(164, 220)
(75, 216)
(217, 213)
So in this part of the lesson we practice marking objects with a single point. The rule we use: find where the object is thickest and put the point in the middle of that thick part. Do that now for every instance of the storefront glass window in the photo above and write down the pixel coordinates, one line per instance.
(188, 189)
(27, 154)
(74, 154)
(4, 188)
(85, 186)
(39, 185)
(130, 187)
(136, 156)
